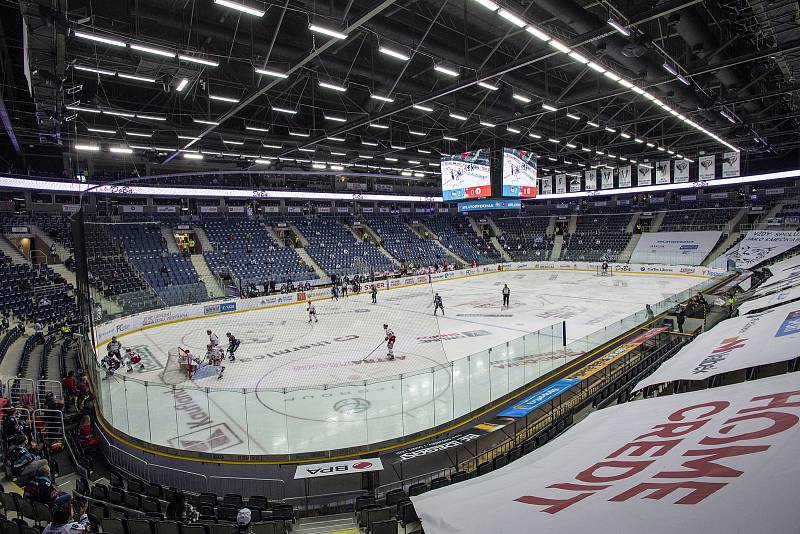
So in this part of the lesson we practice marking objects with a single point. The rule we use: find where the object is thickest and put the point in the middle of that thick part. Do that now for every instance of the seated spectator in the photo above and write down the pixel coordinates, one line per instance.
(87, 441)
(41, 487)
(70, 386)
(63, 514)
(180, 510)
(12, 426)
(52, 403)
(23, 459)
(243, 518)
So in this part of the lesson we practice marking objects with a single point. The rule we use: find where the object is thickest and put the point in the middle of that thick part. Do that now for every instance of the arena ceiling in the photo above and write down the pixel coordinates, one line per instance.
(394, 83)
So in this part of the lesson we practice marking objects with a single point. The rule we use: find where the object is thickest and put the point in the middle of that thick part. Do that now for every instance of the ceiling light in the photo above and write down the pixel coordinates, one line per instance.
(447, 138)
(120, 150)
(623, 159)
(637, 90)
(369, 143)
(136, 78)
(612, 156)
(393, 53)
(683, 80)
(200, 60)
(661, 148)
(640, 141)
(397, 147)
(670, 152)
(339, 139)
(88, 148)
(338, 153)
(188, 138)
(390, 159)
(669, 68)
(619, 27)
(189, 155)
(551, 158)
(512, 18)
(318, 166)
(651, 145)
(488, 86)
(572, 145)
(418, 134)
(327, 31)
(567, 162)
(586, 149)
(573, 117)
(488, 4)
(549, 107)
(624, 135)
(263, 162)
(364, 156)
(284, 110)
(383, 98)
(271, 146)
(522, 98)
(273, 73)
(487, 124)
(577, 57)
(423, 151)
(422, 108)
(445, 70)
(154, 51)
(405, 173)
(299, 134)
(333, 86)
(224, 99)
(335, 119)
(592, 124)
(414, 162)
(239, 7)
(594, 66)
(512, 130)
(182, 85)
(256, 129)
(150, 117)
(94, 70)
(228, 142)
(337, 168)
(536, 32)
(625, 83)
(139, 134)
(100, 130)
(378, 125)
(612, 130)
(728, 116)
(307, 149)
(457, 116)
(113, 113)
(558, 45)
(609, 74)
(556, 141)
(100, 39)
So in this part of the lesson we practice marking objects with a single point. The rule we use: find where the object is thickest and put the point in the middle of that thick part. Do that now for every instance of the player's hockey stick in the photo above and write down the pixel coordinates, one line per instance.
(373, 350)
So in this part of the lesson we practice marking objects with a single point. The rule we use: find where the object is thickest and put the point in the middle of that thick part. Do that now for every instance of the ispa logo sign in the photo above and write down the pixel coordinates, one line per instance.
(338, 468)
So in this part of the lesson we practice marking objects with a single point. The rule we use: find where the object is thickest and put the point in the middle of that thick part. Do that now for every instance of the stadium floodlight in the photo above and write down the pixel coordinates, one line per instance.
(240, 7)
(327, 31)
(619, 27)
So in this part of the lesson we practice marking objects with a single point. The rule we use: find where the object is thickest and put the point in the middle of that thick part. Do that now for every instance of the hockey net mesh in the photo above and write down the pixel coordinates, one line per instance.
(174, 371)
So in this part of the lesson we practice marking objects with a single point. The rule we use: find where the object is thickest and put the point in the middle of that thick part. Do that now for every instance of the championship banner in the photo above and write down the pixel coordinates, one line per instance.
(591, 180)
(662, 172)
(684, 248)
(681, 171)
(770, 301)
(745, 341)
(715, 461)
(705, 168)
(561, 183)
(547, 185)
(731, 163)
(575, 184)
(645, 176)
(624, 176)
(760, 245)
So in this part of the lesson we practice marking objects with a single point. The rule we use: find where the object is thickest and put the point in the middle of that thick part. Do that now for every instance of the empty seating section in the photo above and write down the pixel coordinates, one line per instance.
(403, 244)
(57, 227)
(597, 237)
(34, 292)
(335, 248)
(525, 238)
(243, 249)
(693, 216)
(456, 234)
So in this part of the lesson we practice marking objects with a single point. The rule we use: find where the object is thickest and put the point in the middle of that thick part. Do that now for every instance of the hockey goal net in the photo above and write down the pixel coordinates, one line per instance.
(609, 271)
(176, 369)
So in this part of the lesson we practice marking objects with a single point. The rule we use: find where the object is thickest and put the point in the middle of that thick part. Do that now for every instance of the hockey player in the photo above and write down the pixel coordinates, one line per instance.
(312, 313)
(374, 294)
(114, 347)
(233, 344)
(437, 304)
(390, 339)
(215, 357)
(335, 292)
(132, 358)
(213, 338)
(506, 295)
(604, 267)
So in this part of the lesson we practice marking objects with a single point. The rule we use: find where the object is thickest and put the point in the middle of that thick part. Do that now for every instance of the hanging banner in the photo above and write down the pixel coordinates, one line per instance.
(689, 462)
(591, 180)
(561, 183)
(574, 184)
(675, 248)
(386, 188)
(747, 341)
(209, 209)
(662, 172)
(731, 163)
(235, 209)
(760, 245)
(547, 185)
(681, 171)
(323, 209)
(166, 209)
(623, 174)
(132, 209)
(645, 175)
(271, 209)
(705, 168)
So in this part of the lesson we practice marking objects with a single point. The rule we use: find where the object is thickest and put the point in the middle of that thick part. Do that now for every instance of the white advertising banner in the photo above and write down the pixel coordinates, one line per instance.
(775, 299)
(623, 175)
(731, 164)
(662, 172)
(337, 468)
(745, 341)
(705, 168)
(561, 183)
(547, 185)
(687, 248)
(760, 245)
(70, 208)
(128, 208)
(591, 180)
(681, 171)
(574, 184)
(717, 461)
(786, 272)
(644, 175)
(166, 209)
(209, 209)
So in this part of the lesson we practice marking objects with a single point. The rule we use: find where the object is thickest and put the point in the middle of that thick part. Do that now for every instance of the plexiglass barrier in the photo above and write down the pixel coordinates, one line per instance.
(255, 422)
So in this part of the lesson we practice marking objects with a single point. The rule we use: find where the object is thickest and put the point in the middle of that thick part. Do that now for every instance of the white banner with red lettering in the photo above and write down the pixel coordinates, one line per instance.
(717, 461)
(738, 343)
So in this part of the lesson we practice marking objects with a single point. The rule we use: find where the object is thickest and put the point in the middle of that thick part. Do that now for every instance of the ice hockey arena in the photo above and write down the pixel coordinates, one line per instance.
(399, 266)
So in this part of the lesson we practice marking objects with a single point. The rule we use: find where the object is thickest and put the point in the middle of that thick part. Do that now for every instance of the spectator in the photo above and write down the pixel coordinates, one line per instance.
(51, 403)
(70, 385)
(243, 518)
(41, 487)
(24, 460)
(86, 439)
(62, 517)
(12, 426)
(650, 314)
(180, 510)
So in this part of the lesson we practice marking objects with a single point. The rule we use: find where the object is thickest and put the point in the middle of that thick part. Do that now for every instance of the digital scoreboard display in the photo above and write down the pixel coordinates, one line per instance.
(466, 175)
(519, 173)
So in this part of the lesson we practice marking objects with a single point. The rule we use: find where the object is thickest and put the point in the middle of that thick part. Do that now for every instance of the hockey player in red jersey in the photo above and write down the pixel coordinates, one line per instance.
(390, 339)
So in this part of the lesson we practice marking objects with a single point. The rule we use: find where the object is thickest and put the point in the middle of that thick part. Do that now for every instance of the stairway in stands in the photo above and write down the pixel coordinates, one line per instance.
(329, 524)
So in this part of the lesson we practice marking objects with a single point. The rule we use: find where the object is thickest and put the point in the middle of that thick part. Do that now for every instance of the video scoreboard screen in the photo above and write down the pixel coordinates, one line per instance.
(519, 173)
(466, 175)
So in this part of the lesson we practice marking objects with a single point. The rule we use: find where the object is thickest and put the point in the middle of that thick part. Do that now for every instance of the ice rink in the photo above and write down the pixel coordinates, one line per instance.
(295, 366)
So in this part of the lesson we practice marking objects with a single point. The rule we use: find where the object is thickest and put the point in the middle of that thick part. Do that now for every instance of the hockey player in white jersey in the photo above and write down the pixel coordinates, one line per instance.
(390, 339)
